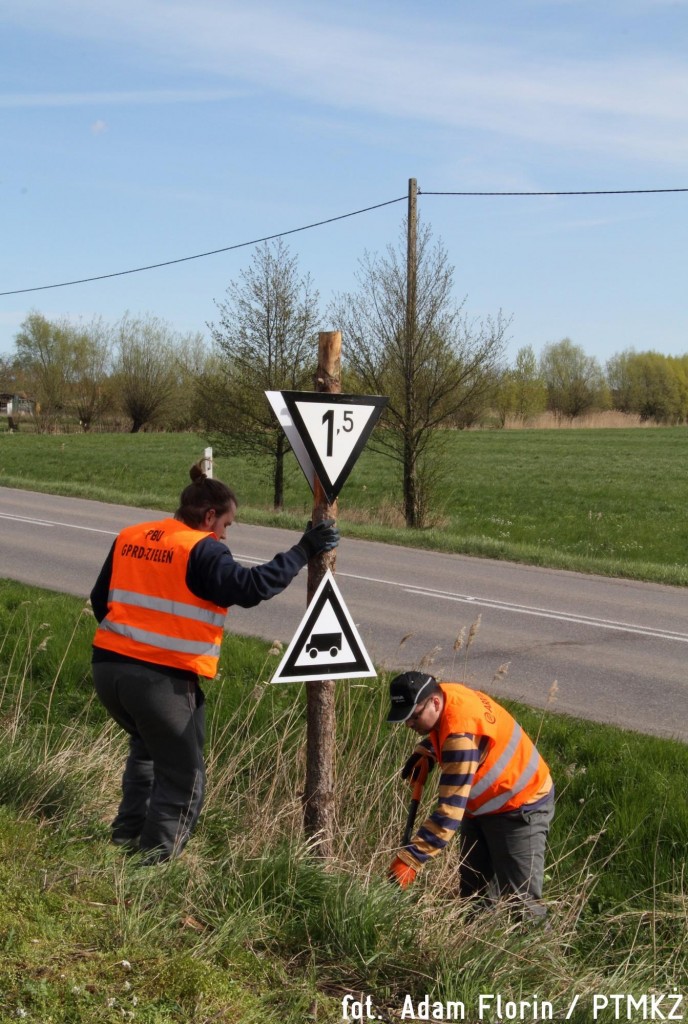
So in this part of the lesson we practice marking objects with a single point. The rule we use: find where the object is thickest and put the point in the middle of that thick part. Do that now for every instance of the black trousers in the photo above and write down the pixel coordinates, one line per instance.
(164, 776)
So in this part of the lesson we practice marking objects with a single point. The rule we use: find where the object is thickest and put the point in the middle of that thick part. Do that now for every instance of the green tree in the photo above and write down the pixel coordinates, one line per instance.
(620, 379)
(45, 358)
(65, 367)
(653, 386)
(521, 391)
(10, 374)
(265, 340)
(432, 370)
(575, 382)
(679, 367)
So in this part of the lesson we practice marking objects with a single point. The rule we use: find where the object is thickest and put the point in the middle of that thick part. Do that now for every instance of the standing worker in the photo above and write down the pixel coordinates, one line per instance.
(161, 599)
(494, 787)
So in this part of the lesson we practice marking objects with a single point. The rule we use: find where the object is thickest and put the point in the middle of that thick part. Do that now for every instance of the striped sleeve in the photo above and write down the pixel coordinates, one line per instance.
(460, 759)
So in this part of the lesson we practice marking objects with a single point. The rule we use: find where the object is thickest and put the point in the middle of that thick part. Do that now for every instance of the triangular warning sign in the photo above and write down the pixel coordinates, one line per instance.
(279, 407)
(326, 644)
(333, 430)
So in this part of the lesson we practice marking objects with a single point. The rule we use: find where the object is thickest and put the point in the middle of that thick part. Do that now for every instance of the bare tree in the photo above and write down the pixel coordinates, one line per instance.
(144, 368)
(431, 369)
(192, 361)
(91, 390)
(265, 340)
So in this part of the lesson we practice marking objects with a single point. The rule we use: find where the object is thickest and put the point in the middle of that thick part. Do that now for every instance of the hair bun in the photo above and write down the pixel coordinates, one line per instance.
(197, 475)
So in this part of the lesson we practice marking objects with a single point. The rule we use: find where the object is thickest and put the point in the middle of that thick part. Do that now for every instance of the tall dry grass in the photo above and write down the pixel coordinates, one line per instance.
(609, 418)
(249, 893)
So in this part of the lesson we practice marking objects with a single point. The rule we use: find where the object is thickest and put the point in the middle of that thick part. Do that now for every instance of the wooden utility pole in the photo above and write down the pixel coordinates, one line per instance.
(411, 259)
(318, 797)
(410, 340)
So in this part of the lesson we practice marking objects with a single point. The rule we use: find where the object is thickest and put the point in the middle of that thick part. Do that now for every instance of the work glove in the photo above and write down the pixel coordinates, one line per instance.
(401, 874)
(417, 768)
(323, 537)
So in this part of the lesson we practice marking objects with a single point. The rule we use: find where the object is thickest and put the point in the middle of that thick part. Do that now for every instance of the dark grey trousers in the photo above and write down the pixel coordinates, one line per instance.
(503, 857)
(164, 776)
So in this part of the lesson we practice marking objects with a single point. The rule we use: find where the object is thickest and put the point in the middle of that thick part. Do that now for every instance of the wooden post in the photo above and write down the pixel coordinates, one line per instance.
(318, 797)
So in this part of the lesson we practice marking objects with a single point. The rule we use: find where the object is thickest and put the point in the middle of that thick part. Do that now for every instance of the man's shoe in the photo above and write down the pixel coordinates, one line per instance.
(129, 844)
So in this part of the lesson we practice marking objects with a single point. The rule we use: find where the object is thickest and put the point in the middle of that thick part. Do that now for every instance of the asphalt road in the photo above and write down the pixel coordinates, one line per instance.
(616, 649)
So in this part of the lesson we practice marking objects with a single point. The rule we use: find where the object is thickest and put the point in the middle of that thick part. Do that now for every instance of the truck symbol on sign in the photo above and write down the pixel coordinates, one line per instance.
(321, 642)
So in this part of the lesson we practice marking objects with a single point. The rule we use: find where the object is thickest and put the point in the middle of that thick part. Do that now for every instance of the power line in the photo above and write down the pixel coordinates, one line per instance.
(200, 255)
(332, 220)
(591, 192)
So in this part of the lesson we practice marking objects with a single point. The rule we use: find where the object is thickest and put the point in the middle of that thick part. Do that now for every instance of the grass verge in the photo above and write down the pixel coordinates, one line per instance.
(249, 926)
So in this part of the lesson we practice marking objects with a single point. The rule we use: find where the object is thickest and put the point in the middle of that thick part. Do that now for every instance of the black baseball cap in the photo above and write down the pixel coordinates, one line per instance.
(406, 691)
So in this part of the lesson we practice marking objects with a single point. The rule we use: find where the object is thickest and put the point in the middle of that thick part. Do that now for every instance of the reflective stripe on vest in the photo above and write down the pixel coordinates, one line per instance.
(498, 801)
(159, 604)
(498, 767)
(166, 643)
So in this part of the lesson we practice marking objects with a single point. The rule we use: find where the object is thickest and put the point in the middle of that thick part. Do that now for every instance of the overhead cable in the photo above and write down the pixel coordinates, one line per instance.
(200, 255)
(589, 192)
(331, 220)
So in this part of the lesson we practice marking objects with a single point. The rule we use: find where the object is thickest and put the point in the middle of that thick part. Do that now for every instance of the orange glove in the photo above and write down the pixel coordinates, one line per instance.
(401, 873)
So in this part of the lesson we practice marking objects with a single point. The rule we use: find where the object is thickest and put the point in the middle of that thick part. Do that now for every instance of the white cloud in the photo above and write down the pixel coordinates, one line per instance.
(98, 127)
(633, 107)
(137, 97)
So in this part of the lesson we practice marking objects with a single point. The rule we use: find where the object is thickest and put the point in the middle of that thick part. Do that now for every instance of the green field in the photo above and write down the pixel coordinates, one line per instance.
(249, 928)
(603, 501)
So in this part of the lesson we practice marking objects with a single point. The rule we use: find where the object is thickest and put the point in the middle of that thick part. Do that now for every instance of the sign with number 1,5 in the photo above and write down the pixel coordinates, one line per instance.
(333, 430)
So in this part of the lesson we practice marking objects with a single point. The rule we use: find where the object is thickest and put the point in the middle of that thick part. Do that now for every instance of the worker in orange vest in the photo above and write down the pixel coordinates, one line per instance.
(160, 600)
(494, 788)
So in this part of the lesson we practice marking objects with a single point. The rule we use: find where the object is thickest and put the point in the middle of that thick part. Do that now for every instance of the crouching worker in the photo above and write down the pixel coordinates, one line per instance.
(494, 788)
(161, 599)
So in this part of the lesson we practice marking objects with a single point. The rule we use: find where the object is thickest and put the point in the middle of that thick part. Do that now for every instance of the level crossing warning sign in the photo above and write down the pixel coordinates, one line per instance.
(327, 432)
(326, 644)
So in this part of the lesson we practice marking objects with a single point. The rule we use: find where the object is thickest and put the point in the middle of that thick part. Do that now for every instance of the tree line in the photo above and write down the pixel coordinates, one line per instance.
(439, 368)
(135, 373)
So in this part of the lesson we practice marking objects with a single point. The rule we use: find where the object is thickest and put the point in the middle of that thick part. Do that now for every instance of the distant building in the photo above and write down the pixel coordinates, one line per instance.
(15, 404)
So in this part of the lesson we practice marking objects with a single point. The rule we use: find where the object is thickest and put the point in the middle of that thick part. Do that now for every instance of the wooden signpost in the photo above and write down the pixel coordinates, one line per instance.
(327, 431)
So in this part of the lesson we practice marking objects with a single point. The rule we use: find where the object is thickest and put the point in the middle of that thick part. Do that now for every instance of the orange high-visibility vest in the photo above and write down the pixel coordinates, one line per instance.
(513, 773)
(152, 614)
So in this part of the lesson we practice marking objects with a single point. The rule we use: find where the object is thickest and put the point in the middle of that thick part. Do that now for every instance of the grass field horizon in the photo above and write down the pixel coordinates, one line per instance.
(605, 501)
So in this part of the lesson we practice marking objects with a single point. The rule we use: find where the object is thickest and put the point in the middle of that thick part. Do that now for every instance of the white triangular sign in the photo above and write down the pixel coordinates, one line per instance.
(279, 407)
(333, 430)
(326, 644)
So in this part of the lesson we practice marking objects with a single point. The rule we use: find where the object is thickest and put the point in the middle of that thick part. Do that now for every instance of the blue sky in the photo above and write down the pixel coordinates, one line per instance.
(139, 132)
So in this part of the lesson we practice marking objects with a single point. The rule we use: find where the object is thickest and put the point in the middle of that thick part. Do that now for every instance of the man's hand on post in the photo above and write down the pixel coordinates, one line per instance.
(322, 537)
